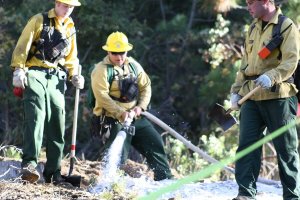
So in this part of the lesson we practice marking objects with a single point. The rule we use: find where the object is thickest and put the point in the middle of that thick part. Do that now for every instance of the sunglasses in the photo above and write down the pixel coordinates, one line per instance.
(250, 2)
(118, 53)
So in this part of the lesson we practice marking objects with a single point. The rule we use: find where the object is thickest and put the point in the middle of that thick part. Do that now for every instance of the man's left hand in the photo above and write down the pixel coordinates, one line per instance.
(137, 110)
(264, 81)
(78, 81)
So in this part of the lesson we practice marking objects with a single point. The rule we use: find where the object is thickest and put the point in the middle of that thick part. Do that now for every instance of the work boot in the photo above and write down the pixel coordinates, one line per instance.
(60, 180)
(56, 180)
(243, 198)
(47, 178)
(29, 173)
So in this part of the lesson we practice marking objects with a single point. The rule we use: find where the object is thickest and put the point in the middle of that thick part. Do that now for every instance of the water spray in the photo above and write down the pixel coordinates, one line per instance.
(114, 154)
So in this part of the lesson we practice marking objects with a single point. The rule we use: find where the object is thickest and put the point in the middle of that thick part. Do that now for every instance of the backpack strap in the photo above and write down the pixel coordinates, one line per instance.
(46, 24)
(44, 33)
(276, 32)
(277, 27)
(133, 68)
(46, 28)
(110, 74)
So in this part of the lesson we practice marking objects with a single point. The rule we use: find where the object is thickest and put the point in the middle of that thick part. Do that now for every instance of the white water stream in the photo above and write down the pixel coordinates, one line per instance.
(113, 157)
(194, 191)
(112, 160)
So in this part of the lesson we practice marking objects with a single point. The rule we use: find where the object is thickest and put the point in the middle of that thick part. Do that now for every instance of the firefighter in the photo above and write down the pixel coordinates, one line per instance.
(271, 107)
(121, 87)
(44, 58)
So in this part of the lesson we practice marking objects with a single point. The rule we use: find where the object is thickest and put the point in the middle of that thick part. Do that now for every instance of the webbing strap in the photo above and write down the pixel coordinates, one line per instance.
(111, 72)
(45, 30)
(277, 27)
(133, 68)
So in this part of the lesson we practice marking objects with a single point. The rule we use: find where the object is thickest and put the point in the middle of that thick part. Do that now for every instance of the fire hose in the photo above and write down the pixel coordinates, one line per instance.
(196, 149)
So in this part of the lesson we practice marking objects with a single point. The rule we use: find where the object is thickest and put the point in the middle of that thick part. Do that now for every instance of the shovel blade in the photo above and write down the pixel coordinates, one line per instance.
(222, 117)
(74, 180)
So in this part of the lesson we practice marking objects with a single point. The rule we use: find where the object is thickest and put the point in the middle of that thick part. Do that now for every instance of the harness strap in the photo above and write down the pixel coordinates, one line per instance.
(277, 27)
(251, 77)
(46, 29)
(111, 74)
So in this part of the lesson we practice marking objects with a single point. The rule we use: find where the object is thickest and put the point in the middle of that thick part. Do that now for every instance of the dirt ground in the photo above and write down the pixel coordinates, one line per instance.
(12, 189)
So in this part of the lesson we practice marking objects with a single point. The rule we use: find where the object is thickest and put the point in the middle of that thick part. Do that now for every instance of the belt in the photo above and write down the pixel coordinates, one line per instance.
(43, 69)
(274, 87)
(122, 100)
(289, 80)
(108, 120)
(251, 77)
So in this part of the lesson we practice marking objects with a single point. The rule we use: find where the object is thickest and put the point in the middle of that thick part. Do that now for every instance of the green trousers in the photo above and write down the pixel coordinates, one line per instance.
(148, 142)
(255, 116)
(44, 106)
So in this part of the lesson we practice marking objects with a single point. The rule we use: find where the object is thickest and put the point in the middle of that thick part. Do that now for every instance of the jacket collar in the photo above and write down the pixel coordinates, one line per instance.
(274, 20)
(106, 61)
(52, 14)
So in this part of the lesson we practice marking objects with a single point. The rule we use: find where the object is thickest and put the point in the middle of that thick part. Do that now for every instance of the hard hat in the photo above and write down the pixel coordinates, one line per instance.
(117, 42)
(70, 2)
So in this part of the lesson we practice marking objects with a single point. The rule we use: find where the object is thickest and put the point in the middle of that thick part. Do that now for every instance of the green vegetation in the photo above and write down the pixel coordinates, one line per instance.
(11, 151)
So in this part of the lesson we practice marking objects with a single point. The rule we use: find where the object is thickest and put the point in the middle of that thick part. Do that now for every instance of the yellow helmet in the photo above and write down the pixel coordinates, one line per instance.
(70, 2)
(117, 42)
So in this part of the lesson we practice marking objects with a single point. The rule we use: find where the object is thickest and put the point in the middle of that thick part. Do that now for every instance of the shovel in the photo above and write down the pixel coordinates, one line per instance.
(74, 180)
(223, 116)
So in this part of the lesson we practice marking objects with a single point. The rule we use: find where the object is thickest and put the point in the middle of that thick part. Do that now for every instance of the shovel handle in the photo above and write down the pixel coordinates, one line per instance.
(75, 116)
(247, 96)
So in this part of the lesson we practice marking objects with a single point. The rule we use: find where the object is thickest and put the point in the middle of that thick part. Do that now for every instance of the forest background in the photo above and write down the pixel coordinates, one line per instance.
(190, 49)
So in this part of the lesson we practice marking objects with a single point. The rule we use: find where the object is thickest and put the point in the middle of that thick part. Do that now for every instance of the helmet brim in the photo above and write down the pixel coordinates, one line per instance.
(70, 3)
(111, 49)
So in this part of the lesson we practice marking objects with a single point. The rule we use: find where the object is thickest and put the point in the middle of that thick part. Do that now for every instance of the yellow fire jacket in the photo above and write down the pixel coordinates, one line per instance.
(102, 89)
(278, 70)
(31, 33)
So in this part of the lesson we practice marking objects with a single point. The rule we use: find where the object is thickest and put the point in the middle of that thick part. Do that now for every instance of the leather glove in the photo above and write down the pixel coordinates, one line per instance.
(19, 78)
(234, 99)
(78, 81)
(264, 81)
(137, 110)
(127, 117)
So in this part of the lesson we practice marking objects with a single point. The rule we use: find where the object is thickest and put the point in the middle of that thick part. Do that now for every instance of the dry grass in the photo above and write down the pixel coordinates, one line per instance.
(89, 171)
(18, 190)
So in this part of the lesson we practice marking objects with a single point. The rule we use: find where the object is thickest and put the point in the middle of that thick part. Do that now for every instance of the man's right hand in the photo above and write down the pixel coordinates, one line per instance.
(125, 115)
(234, 99)
(19, 78)
(264, 81)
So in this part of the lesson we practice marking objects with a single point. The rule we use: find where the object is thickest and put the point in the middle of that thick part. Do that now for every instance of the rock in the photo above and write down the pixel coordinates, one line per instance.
(10, 169)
